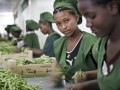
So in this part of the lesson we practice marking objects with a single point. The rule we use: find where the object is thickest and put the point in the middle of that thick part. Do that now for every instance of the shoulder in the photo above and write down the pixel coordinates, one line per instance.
(100, 42)
(60, 40)
(56, 34)
(89, 36)
(96, 47)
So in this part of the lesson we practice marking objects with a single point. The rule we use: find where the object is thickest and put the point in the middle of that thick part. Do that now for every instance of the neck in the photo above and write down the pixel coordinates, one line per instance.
(76, 35)
(50, 30)
(18, 36)
(115, 35)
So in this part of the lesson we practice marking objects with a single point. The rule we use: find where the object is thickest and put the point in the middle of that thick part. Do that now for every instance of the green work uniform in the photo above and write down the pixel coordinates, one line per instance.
(48, 47)
(31, 40)
(83, 60)
(21, 37)
(112, 80)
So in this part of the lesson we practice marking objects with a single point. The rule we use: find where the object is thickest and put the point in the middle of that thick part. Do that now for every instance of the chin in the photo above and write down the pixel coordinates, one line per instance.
(100, 36)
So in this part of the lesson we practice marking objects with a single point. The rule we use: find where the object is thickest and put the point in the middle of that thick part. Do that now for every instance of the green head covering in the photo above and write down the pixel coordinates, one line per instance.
(15, 29)
(32, 24)
(71, 4)
(46, 17)
(8, 27)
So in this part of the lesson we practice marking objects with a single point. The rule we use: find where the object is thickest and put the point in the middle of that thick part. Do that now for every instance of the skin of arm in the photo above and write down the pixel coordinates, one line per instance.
(37, 52)
(90, 75)
(88, 85)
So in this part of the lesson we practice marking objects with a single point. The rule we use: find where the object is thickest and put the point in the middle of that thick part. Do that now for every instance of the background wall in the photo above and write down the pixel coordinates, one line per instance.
(33, 12)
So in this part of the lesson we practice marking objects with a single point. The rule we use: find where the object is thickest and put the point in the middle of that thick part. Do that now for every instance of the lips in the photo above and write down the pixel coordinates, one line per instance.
(94, 31)
(66, 32)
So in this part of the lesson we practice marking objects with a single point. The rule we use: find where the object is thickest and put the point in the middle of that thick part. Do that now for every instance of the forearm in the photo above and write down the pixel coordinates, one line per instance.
(37, 52)
(91, 74)
(91, 85)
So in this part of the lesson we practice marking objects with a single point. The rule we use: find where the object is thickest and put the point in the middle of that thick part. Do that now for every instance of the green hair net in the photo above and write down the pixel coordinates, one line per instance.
(71, 4)
(46, 17)
(32, 24)
(15, 29)
(8, 27)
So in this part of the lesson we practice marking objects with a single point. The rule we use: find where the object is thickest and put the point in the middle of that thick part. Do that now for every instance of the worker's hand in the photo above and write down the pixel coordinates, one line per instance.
(81, 79)
(16, 50)
(56, 76)
(74, 87)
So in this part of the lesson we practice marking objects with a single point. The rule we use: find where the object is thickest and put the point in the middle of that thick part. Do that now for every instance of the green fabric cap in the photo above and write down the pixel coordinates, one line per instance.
(32, 24)
(46, 17)
(71, 4)
(7, 28)
(15, 29)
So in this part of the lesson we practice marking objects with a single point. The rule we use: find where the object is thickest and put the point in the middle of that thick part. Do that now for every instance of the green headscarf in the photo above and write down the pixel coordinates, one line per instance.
(7, 28)
(46, 17)
(32, 24)
(15, 29)
(71, 4)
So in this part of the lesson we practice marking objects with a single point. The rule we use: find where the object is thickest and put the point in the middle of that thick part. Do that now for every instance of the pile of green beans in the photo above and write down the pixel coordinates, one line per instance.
(6, 49)
(41, 60)
(78, 74)
(9, 49)
(12, 81)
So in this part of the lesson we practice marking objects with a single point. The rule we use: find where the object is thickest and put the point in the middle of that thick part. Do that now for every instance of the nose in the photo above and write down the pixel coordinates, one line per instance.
(88, 23)
(64, 26)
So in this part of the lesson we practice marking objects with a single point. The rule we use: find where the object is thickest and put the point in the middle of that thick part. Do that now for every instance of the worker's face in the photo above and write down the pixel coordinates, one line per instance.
(66, 22)
(100, 19)
(16, 35)
(43, 28)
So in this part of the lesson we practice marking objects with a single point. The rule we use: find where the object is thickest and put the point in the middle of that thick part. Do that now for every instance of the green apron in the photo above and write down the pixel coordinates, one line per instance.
(83, 60)
(49, 38)
(112, 80)
(21, 37)
(31, 40)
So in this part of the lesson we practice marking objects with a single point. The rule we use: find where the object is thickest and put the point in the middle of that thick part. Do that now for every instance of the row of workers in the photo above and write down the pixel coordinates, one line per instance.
(31, 39)
(98, 58)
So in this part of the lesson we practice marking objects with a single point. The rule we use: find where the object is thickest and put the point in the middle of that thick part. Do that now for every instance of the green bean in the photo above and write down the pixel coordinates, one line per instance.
(41, 60)
(78, 74)
(11, 81)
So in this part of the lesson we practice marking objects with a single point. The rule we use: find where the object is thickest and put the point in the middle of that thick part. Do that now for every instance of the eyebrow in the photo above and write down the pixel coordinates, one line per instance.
(87, 13)
(62, 19)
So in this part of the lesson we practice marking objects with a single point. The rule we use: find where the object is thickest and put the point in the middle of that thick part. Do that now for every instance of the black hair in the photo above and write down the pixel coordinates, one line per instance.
(104, 2)
(28, 29)
(19, 32)
(46, 22)
(60, 9)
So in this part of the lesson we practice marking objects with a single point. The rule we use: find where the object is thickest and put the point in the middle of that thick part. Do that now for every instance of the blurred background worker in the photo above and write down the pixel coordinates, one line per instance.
(45, 25)
(9, 36)
(31, 39)
(16, 32)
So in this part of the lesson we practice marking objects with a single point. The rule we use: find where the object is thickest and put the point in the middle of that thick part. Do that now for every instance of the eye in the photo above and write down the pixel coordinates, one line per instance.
(66, 21)
(58, 24)
(92, 17)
